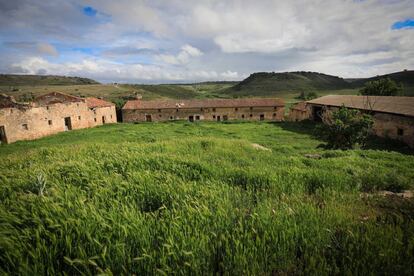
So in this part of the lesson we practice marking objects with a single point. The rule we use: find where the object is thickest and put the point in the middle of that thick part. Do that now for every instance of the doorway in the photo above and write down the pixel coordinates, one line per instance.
(148, 118)
(68, 124)
(191, 118)
(225, 117)
(317, 113)
(3, 138)
(218, 119)
(261, 117)
(103, 120)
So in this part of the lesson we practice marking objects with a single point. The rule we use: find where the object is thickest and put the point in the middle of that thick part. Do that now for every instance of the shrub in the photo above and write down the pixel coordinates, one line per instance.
(382, 87)
(345, 128)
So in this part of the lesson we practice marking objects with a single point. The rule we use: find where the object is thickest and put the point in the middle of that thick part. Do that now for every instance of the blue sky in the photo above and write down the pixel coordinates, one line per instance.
(162, 41)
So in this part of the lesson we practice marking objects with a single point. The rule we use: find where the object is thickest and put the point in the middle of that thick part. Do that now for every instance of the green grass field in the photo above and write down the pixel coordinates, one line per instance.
(182, 198)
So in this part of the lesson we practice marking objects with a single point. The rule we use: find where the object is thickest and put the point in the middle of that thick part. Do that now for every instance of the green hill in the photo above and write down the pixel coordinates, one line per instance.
(406, 78)
(34, 80)
(266, 84)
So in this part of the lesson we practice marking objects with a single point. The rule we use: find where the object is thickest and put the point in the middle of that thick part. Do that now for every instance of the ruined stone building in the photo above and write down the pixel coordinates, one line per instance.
(393, 116)
(198, 110)
(49, 114)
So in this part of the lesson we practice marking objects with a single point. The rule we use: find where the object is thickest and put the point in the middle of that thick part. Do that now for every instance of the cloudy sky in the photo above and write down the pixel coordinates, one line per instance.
(166, 41)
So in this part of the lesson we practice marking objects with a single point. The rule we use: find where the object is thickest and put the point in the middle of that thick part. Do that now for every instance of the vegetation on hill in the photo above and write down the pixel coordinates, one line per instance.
(202, 199)
(265, 84)
(35, 80)
(382, 87)
(405, 78)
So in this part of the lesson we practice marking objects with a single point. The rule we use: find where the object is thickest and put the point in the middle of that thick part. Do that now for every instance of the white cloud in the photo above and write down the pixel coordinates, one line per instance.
(183, 57)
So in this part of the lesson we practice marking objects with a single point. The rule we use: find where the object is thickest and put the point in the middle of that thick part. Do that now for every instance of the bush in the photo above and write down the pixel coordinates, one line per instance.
(345, 128)
(382, 87)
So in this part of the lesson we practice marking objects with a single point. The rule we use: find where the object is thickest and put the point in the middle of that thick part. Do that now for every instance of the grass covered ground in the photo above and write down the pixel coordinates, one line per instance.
(187, 198)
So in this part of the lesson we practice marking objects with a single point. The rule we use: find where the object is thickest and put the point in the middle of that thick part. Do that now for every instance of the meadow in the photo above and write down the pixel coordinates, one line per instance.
(203, 198)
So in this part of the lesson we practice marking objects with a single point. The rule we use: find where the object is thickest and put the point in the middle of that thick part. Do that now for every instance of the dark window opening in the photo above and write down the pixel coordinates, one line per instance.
(202, 109)
(159, 110)
(25, 127)
(171, 117)
(400, 131)
(262, 117)
(214, 116)
(242, 116)
(218, 118)
(251, 115)
(274, 114)
(160, 115)
(197, 118)
(79, 117)
(50, 122)
(251, 108)
(94, 119)
(111, 116)
(11, 110)
(236, 109)
(47, 108)
(176, 110)
(275, 108)
(191, 118)
(214, 110)
(148, 118)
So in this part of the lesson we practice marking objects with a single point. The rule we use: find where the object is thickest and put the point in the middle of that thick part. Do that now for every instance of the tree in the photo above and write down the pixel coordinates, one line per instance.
(306, 96)
(345, 128)
(382, 87)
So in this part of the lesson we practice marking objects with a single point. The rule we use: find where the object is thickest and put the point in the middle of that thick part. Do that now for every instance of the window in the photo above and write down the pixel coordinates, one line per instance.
(77, 104)
(50, 122)
(111, 116)
(25, 127)
(214, 109)
(94, 119)
(214, 116)
(79, 118)
(236, 109)
(47, 107)
(159, 110)
(11, 110)
(201, 109)
(94, 112)
(400, 131)
(242, 116)
(160, 115)
(176, 110)
(274, 114)
(197, 117)
(275, 108)
(251, 115)
(251, 108)
(171, 117)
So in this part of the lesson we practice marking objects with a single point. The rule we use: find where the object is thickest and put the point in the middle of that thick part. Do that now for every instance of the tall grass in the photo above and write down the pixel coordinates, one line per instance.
(199, 199)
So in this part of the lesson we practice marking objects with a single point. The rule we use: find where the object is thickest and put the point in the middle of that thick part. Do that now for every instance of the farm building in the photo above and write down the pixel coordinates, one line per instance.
(49, 114)
(210, 110)
(393, 116)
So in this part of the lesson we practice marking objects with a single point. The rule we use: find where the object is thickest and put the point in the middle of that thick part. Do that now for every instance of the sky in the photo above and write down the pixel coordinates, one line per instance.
(166, 41)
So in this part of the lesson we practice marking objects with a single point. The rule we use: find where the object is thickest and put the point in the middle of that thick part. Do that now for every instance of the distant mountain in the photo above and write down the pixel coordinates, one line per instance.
(406, 78)
(34, 80)
(263, 84)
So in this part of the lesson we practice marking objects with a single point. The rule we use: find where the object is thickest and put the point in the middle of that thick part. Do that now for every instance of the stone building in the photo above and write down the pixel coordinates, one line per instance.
(393, 116)
(198, 110)
(49, 114)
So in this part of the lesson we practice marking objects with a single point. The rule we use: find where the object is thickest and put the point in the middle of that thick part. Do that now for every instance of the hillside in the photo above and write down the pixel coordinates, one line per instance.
(201, 199)
(270, 84)
(35, 80)
(406, 78)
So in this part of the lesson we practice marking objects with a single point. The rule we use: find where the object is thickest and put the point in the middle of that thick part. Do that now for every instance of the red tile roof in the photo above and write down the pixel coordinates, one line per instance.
(95, 102)
(386, 104)
(162, 104)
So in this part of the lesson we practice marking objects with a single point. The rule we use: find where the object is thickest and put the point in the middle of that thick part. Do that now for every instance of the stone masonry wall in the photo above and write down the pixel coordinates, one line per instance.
(208, 114)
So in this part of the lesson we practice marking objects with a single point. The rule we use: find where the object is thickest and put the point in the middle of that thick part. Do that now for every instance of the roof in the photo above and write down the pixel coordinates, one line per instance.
(386, 104)
(301, 106)
(56, 97)
(9, 102)
(162, 104)
(95, 102)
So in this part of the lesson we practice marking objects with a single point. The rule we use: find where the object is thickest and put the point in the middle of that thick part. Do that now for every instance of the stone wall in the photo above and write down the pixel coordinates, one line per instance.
(395, 127)
(36, 122)
(208, 114)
